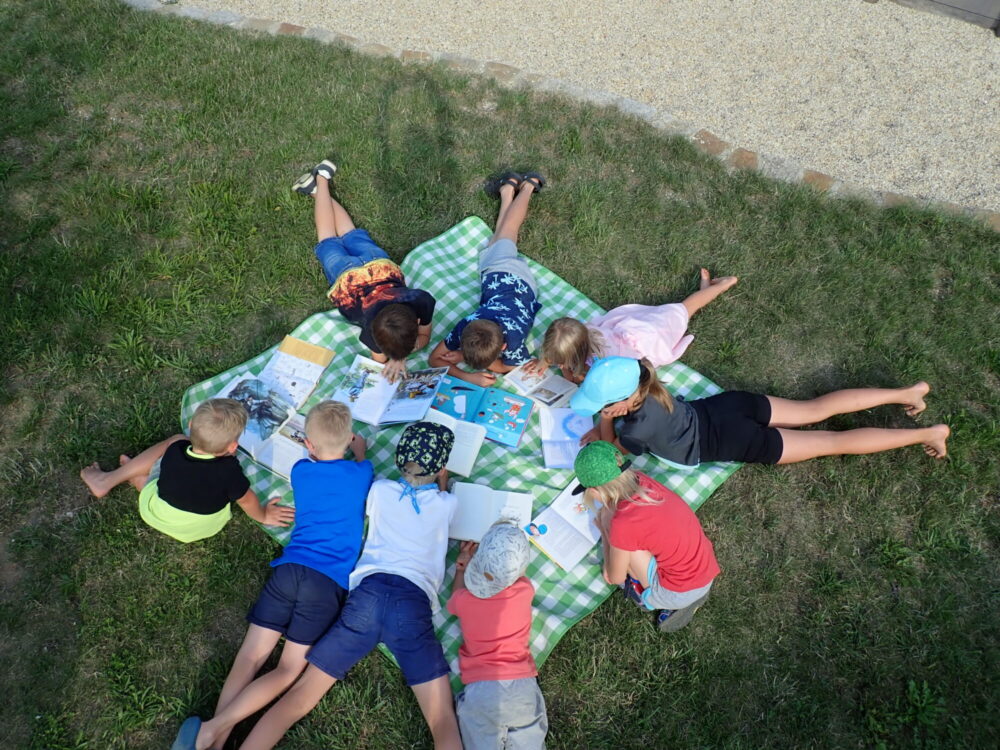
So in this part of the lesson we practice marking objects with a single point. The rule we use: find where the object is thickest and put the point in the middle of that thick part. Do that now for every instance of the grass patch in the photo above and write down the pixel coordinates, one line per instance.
(148, 240)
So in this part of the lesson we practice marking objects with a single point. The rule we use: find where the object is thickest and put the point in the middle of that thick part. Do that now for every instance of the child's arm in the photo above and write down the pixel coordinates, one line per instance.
(468, 549)
(442, 356)
(606, 428)
(615, 563)
(442, 480)
(423, 337)
(358, 447)
(271, 514)
(498, 366)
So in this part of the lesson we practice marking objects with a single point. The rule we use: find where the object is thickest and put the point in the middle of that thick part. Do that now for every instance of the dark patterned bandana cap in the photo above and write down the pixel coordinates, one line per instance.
(426, 444)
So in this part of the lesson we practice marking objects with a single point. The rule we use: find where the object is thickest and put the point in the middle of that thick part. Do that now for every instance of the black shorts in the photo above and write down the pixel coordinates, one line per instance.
(298, 602)
(733, 426)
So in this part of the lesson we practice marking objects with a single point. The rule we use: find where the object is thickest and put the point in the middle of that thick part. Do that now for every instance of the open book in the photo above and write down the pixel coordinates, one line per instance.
(561, 432)
(502, 413)
(275, 432)
(479, 507)
(546, 388)
(468, 440)
(374, 400)
(565, 531)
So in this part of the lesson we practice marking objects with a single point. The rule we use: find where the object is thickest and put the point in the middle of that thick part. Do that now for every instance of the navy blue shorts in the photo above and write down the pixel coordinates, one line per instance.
(733, 426)
(298, 602)
(389, 609)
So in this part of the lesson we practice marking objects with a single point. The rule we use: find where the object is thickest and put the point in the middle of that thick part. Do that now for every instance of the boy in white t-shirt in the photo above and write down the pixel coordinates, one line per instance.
(392, 592)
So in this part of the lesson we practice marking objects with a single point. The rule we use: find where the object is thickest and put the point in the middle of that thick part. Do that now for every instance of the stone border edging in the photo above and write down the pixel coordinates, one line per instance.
(734, 157)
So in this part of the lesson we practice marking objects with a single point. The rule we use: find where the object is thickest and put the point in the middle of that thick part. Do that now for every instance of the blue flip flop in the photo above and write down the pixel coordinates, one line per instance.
(188, 734)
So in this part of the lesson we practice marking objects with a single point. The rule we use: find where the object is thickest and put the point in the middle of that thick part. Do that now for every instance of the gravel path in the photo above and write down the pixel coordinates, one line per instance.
(884, 96)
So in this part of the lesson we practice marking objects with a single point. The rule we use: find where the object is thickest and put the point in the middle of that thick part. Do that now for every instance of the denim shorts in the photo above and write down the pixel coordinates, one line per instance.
(502, 256)
(352, 250)
(389, 609)
(298, 602)
(655, 596)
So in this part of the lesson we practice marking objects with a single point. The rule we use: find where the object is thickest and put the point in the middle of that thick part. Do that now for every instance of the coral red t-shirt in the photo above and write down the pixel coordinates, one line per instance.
(671, 532)
(495, 633)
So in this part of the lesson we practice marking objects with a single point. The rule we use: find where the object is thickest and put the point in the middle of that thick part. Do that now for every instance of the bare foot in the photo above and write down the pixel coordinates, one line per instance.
(917, 405)
(722, 282)
(123, 459)
(936, 447)
(93, 477)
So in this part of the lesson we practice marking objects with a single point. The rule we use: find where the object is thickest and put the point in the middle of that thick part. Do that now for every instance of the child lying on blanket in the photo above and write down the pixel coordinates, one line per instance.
(492, 339)
(308, 587)
(367, 287)
(186, 485)
(393, 589)
(656, 332)
(501, 705)
(736, 425)
(654, 546)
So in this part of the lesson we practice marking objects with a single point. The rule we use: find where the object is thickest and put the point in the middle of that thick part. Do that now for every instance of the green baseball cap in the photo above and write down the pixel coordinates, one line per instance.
(598, 463)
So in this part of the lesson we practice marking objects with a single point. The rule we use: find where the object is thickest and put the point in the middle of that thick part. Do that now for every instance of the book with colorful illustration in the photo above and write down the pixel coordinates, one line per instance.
(561, 431)
(546, 388)
(566, 530)
(374, 400)
(503, 414)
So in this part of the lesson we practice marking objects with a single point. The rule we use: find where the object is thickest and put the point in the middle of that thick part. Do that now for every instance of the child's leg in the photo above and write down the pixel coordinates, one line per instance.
(513, 210)
(332, 219)
(438, 708)
(296, 703)
(134, 470)
(788, 413)
(801, 446)
(257, 646)
(709, 289)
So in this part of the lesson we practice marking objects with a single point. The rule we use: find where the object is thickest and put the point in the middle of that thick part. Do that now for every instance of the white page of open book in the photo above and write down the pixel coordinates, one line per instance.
(468, 440)
(479, 507)
(282, 451)
(292, 377)
(561, 432)
(570, 530)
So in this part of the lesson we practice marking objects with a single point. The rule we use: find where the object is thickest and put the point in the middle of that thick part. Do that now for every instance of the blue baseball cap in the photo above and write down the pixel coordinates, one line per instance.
(610, 379)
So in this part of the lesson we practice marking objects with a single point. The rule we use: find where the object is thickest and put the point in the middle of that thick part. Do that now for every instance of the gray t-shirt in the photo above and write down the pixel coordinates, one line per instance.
(669, 435)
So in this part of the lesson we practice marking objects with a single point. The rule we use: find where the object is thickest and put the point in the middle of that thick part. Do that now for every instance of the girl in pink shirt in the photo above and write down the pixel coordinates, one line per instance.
(501, 706)
(656, 332)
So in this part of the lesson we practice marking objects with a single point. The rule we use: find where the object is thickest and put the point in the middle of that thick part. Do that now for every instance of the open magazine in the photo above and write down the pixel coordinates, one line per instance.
(374, 400)
(502, 413)
(565, 531)
(479, 507)
(546, 388)
(561, 432)
(275, 432)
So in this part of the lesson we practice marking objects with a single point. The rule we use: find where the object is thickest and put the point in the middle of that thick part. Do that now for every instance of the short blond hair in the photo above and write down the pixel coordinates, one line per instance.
(569, 343)
(217, 424)
(328, 427)
(413, 474)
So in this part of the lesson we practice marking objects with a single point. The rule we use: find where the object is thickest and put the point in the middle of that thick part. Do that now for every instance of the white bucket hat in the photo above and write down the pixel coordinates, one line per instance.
(501, 559)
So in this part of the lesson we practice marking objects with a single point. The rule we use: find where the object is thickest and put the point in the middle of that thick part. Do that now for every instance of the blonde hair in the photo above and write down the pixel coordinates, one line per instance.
(328, 427)
(413, 474)
(650, 385)
(217, 424)
(623, 488)
(569, 343)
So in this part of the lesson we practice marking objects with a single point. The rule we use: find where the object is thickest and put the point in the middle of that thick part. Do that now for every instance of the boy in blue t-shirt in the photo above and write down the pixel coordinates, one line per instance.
(305, 593)
(493, 339)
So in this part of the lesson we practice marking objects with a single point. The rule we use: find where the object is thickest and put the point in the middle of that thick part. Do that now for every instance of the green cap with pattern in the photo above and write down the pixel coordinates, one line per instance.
(598, 463)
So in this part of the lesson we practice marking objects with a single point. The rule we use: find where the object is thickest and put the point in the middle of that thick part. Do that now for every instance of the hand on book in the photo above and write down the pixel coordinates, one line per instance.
(483, 379)
(466, 551)
(278, 515)
(536, 366)
(594, 433)
(395, 369)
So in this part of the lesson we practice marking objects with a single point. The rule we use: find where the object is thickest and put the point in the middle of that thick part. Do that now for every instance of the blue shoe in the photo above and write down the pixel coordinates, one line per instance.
(188, 734)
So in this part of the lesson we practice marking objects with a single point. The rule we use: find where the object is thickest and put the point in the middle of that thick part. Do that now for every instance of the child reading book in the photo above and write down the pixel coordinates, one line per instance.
(392, 591)
(308, 587)
(365, 285)
(186, 484)
(501, 706)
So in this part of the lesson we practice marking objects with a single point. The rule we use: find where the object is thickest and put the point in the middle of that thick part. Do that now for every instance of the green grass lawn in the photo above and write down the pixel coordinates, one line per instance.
(148, 240)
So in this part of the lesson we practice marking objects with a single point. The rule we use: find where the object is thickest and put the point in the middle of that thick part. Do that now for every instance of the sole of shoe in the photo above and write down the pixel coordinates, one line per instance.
(306, 184)
(326, 168)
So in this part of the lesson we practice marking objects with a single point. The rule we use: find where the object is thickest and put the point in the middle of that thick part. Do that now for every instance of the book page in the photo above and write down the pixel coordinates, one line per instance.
(504, 415)
(565, 531)
(364, 390)
(285, 448)
(547, 388)
(413, 396)
(295, 368)
(479, 507)
(522, 381)
(561, 432)
(468, 440)
(266, 410)
(458, 398)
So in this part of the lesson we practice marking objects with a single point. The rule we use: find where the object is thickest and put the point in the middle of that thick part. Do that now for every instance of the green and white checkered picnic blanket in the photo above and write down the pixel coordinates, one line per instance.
(446, 267)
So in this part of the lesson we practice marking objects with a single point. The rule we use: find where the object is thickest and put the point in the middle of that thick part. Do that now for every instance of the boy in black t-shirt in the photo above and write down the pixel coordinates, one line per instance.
(186, 486)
